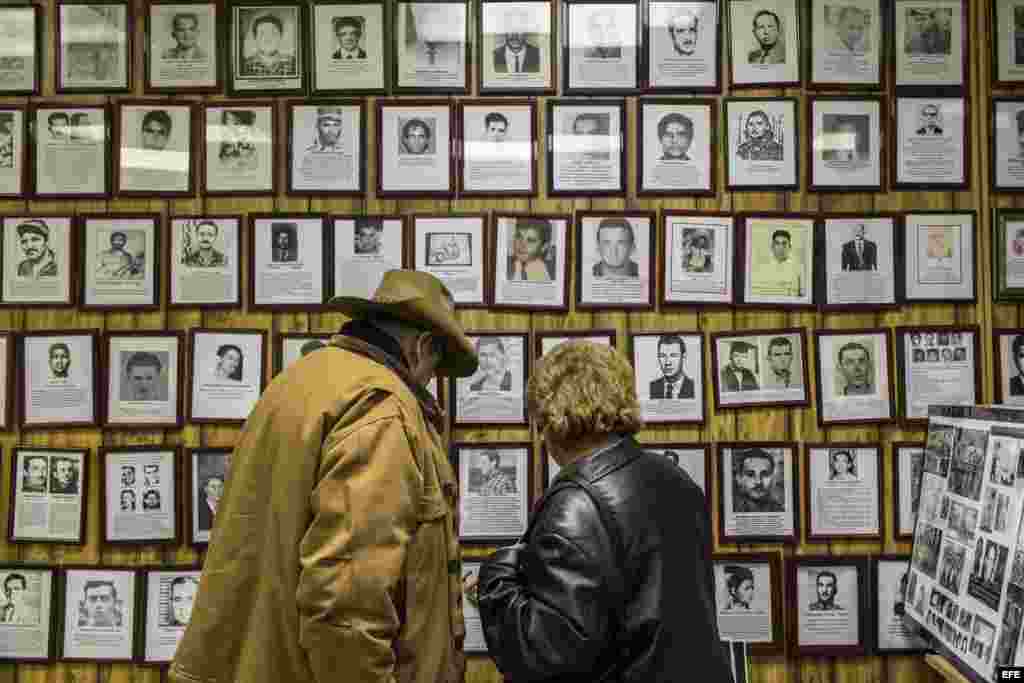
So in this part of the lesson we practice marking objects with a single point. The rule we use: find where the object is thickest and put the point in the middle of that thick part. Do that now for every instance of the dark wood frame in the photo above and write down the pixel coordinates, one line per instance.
(569, 335)
(109, 367)
(993, 135)
(217, 56)
(119, 149)
(643, 134)
(821, 243)
(965, 47)
(71, 257)
(169, 266)
(290, 107)
(875, 560)
(883, 152)
(460, 136)
(901, 333)
(484, 237)
(279, 339)
(8, 387)
(51, 641)
(1001, 291)
(143, 608)
(997, 334)
(154, 262)
(549, 146)
(454, 393)
(884, 17)
(552, 46)
(721, 482)
(807, 485)
(301, 50)
(664, 256)
(326, 254)
(189, 473)
(106, 491)
(646, 61)
(62, 605)
(732, 186)
(83, 487)
(497, 215)
(33, 153)
(414, 104)
(455, 453)
(741, 267)
(38, 37)
(567, 49)
(716, 365)
(705, 446)
(797, 35)
(468, 56)
(699, 359)
(192, 333)
(777, 646)
(272, 147)
(975, 260)
(895, 183)
(27, 141)
(895, 491)
(652, 266)
(128, 55)
(994, 55)
(22, 390)
(864, 612)
(404, 222)
(819, 386)
(385, 51)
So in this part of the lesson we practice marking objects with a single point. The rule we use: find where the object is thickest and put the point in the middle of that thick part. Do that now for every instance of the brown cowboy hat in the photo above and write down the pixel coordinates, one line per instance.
(422, 299)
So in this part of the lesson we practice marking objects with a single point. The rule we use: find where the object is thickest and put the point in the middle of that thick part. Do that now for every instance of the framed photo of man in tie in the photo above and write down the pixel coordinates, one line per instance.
(669, 376)
(349, 54)
(517, 47)
(760, 368)
(859, 256)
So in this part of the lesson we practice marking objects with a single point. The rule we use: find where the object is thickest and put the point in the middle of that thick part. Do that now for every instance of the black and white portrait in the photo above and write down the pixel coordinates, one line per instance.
(497, 149)
(846, 37)
(183, 52)
(26, 596)
(348, 40)
(759, 368)
(99, 619)
(853, 372)
(530, 261)
(516, 41)
(415, 144)
(48, 492)
(94, 47)
(36, 255)
(141, 493)
(1007, 36)
(210, 469)
(585, 153)
(365, 247)
(100, 606)
(987, 572)
(326, 143)
(496, 392)
(493, 482)
(120, 261)
(929, 31)
(602, 50)
(532, 248)
(65, 475)
(682, 46)
(1010, 370)
(34, 469)
(762, 140)
(669, 376)
(860, 261)
(778, 254)
(239, 149)
(615, 252)
(675, 147)
(155, 150)
(844, 491)
(431, 45)
(284, 242)
(20, 58)
(70, 150)
(58, 366)
(169, 597)
(227, 374)
(266, 47)
(204, 249)
(930, 43)
(745, 599)
(828, 603)
(756, 482)
(765, 42)
(145, 375)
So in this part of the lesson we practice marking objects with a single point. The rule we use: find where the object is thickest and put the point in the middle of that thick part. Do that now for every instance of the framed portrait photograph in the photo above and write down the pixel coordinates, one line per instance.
(496, 393)
(847, 45)
(846, 154)
(854, 370)
(748, 597)
(697, 248)
(601, 49)
(615, 259)
(683, 41)
(494, 490)
(760, 368)
(266, 43)
(14, 176)
(120, 255)
(669, 368)
(94, 46)
(498, 140)
(140, 495)
(168, 594)
(208, 472)
(692, 458)
(7, 381)
(475, 642)
(70, 151)
(531, 261)
(762, 144)
(843, 491)
(204, 261)
(778, 260)
(1007, 255)
(48, 495)
(941, 256)
(366, 247)
(349, 54)
(764, 45)
(932, 144)
(1007, 36)
(586, 152)
(228, 374)
(327, 148)
(291, 346)
(1007, 139)
(931, 42)
(38, 258)
(545, 341)
(415, 154)
(99, 619)
(182, 52)
(154, 149)
(517, 47)
(1008, 359)
(907, 468)
(26, 617)
(859, 256)
(828, 605)
(940, 365)
(674, 147)
(20, 54)
(57, 378)
(451, 248)
(431, 47)
(241, 153)
(288, 250)
(890, 576)
(143, 388)
(757, 485)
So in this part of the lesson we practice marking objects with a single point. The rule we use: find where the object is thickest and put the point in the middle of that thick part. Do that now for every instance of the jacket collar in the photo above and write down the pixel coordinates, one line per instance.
(605, 459)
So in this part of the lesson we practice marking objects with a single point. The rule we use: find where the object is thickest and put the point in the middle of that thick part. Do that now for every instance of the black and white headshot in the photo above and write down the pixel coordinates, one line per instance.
(186, 34)
(415, 148)
(267, 41)
(758, 481)
(182, 52)
(181, 595)
(416, 136)
(366, 236)
(669, 376)
(604, 40)
(530, 261)
(229, 364)
(928, 31)
(38, 258)
(348, 30)
(848, 29)
(762, 142)
(698, 250)
(284, 242)
(770, 36)
(762, 137)
(765, 42)
(673, 382)
(200, 243)
(494, 373)
(675, 131)
(145, 376)
(94, 41)
(783, 368)
(34, 470)
(328, 131)
(210, 471)
(155, 149)
(239, 149)
(517, 52)
(59, 361)
(1015, 370)
(740, 587)
(616, 243)
(846, 139)
(488, 477)
(855, 369)
(682, 44)
(348, 46)
(531, 251)
(22, 600)
(64, 475)
(100, 606)
(227, 374)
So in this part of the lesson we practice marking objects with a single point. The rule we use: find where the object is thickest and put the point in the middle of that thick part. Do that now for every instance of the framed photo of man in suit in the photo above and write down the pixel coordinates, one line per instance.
(143, 387)
(829, 610)
(759, 368)
(208, 473)
(182, 53)
(1008, 346)
(431, 43)
(496, 393)
(669, 369)
(765, 43)
(602, 47)
(27, 601)
(517, 47)
(682, 41)
(858, 256)
(854, 376)
(845, 151)
(349, 52)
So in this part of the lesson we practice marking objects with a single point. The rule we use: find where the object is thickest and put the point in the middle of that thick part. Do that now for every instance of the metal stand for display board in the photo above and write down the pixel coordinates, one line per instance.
(945, 668)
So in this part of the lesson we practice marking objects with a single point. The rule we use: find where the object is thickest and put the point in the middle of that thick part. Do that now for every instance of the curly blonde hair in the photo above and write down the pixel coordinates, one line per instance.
(581, 390)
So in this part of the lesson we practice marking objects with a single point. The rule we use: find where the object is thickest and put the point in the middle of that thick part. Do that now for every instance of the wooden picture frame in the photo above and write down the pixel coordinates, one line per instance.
(26, 22)
(225, 372)
(404, 146)
(601, 283)
(732, 492)
(860, 465)
(241, 156)
(933, 128)
(676, 57)
(62, 372)
(1007, 243)
(158, 588)
(593, 121)
(490, 133)
(498, 386)
(111, 59)
(123, 584)
(1005, 55)
(545, 240)
(919, 32)
(38, 260)
(150, 490)
(117, 250)
(39, 585)
(283, 245)
(15, 179)
(26, 479)
(1009, 379)
(601, 52)
(477, 490)
(954, 336)
(379, 243)
(884, 564)
(769, 281)
(732, 375)
(533, 18)
(902, 488)
(846, 147)
(853, 46)
(741, 74)
(52, 167)
(756, 130)
(860, 374)
(948, 241)
(697, 252)
(286, 73)
(340, 143)
(202, 465)
(678, 354)
(161, 142)
(172, 61)
(332, 72)
(662, 154)
(451, 247)
(860, 258)
(828, 566)
(742, 566)
(146, 374)
(454, 55)
(204, 246)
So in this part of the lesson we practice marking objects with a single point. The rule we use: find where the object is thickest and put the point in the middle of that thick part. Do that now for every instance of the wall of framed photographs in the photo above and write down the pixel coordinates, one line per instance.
(699, 135)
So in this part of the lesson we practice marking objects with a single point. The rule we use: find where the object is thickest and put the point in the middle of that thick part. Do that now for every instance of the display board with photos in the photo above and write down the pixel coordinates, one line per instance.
(697, 251)
(931, 141)
(847, 149)
(153, 143)
(494, 490)
(545, 341)
(1007, 43)
(415, 155)
(936, 364)
(762, 143)
(749, 600)
(48, 496)
(140, 495)
(890, 586)
(94, 46)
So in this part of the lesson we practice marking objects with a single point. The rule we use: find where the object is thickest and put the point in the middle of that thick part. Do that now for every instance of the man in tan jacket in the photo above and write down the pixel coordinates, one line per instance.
(334, 554)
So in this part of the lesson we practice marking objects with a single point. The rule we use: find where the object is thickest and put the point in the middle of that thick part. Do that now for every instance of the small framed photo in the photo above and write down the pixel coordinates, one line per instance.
(828, 605)
(432, 53)
(692, 458)
(548, 340)
(683, 40)
(932, 144)
(48, 495)
(854, 369)
(1008, 360)
(1007, 145)
(496, 393)
(208, 472)
(931, 42)
(94, 46)
(778, 260)
(14, 167)
(517, 47)
(182, 51)
(1007, 255)
(415, 155)
(859, 258)
(327, 148)
(349, 54)
(241, 154)
(228, 374)
(669, 368)
(847, 45)
(843, 491)
(908, 466)
(38, 257)
(748, 596)
(288, 249)
(498, 140)
(99, 620)
(531, 261)
(140, 495)
(586, 147)
(70, 151)
(291, 346)
(697, 249)
(674, 145)
(267, 44)
(845, 154)
(601, 50)
(27, 623)
(475, 642)
(57, 378)
(764, 45)
(451, 248)
(1007, 36)
(891, 576)
(366, 247)
(143, 389)
(120, 255)
(757, 484)
(154, 149)
(168, 594)
(7, 381)
(494, 490)
(615, 259)
(760, 368)
(21, 56)
(204, 262)
(941, 253)
(937, 365)
(763, 145)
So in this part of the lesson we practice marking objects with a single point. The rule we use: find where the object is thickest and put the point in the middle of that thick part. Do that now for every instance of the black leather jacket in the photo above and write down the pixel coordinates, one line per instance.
(613, 579)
